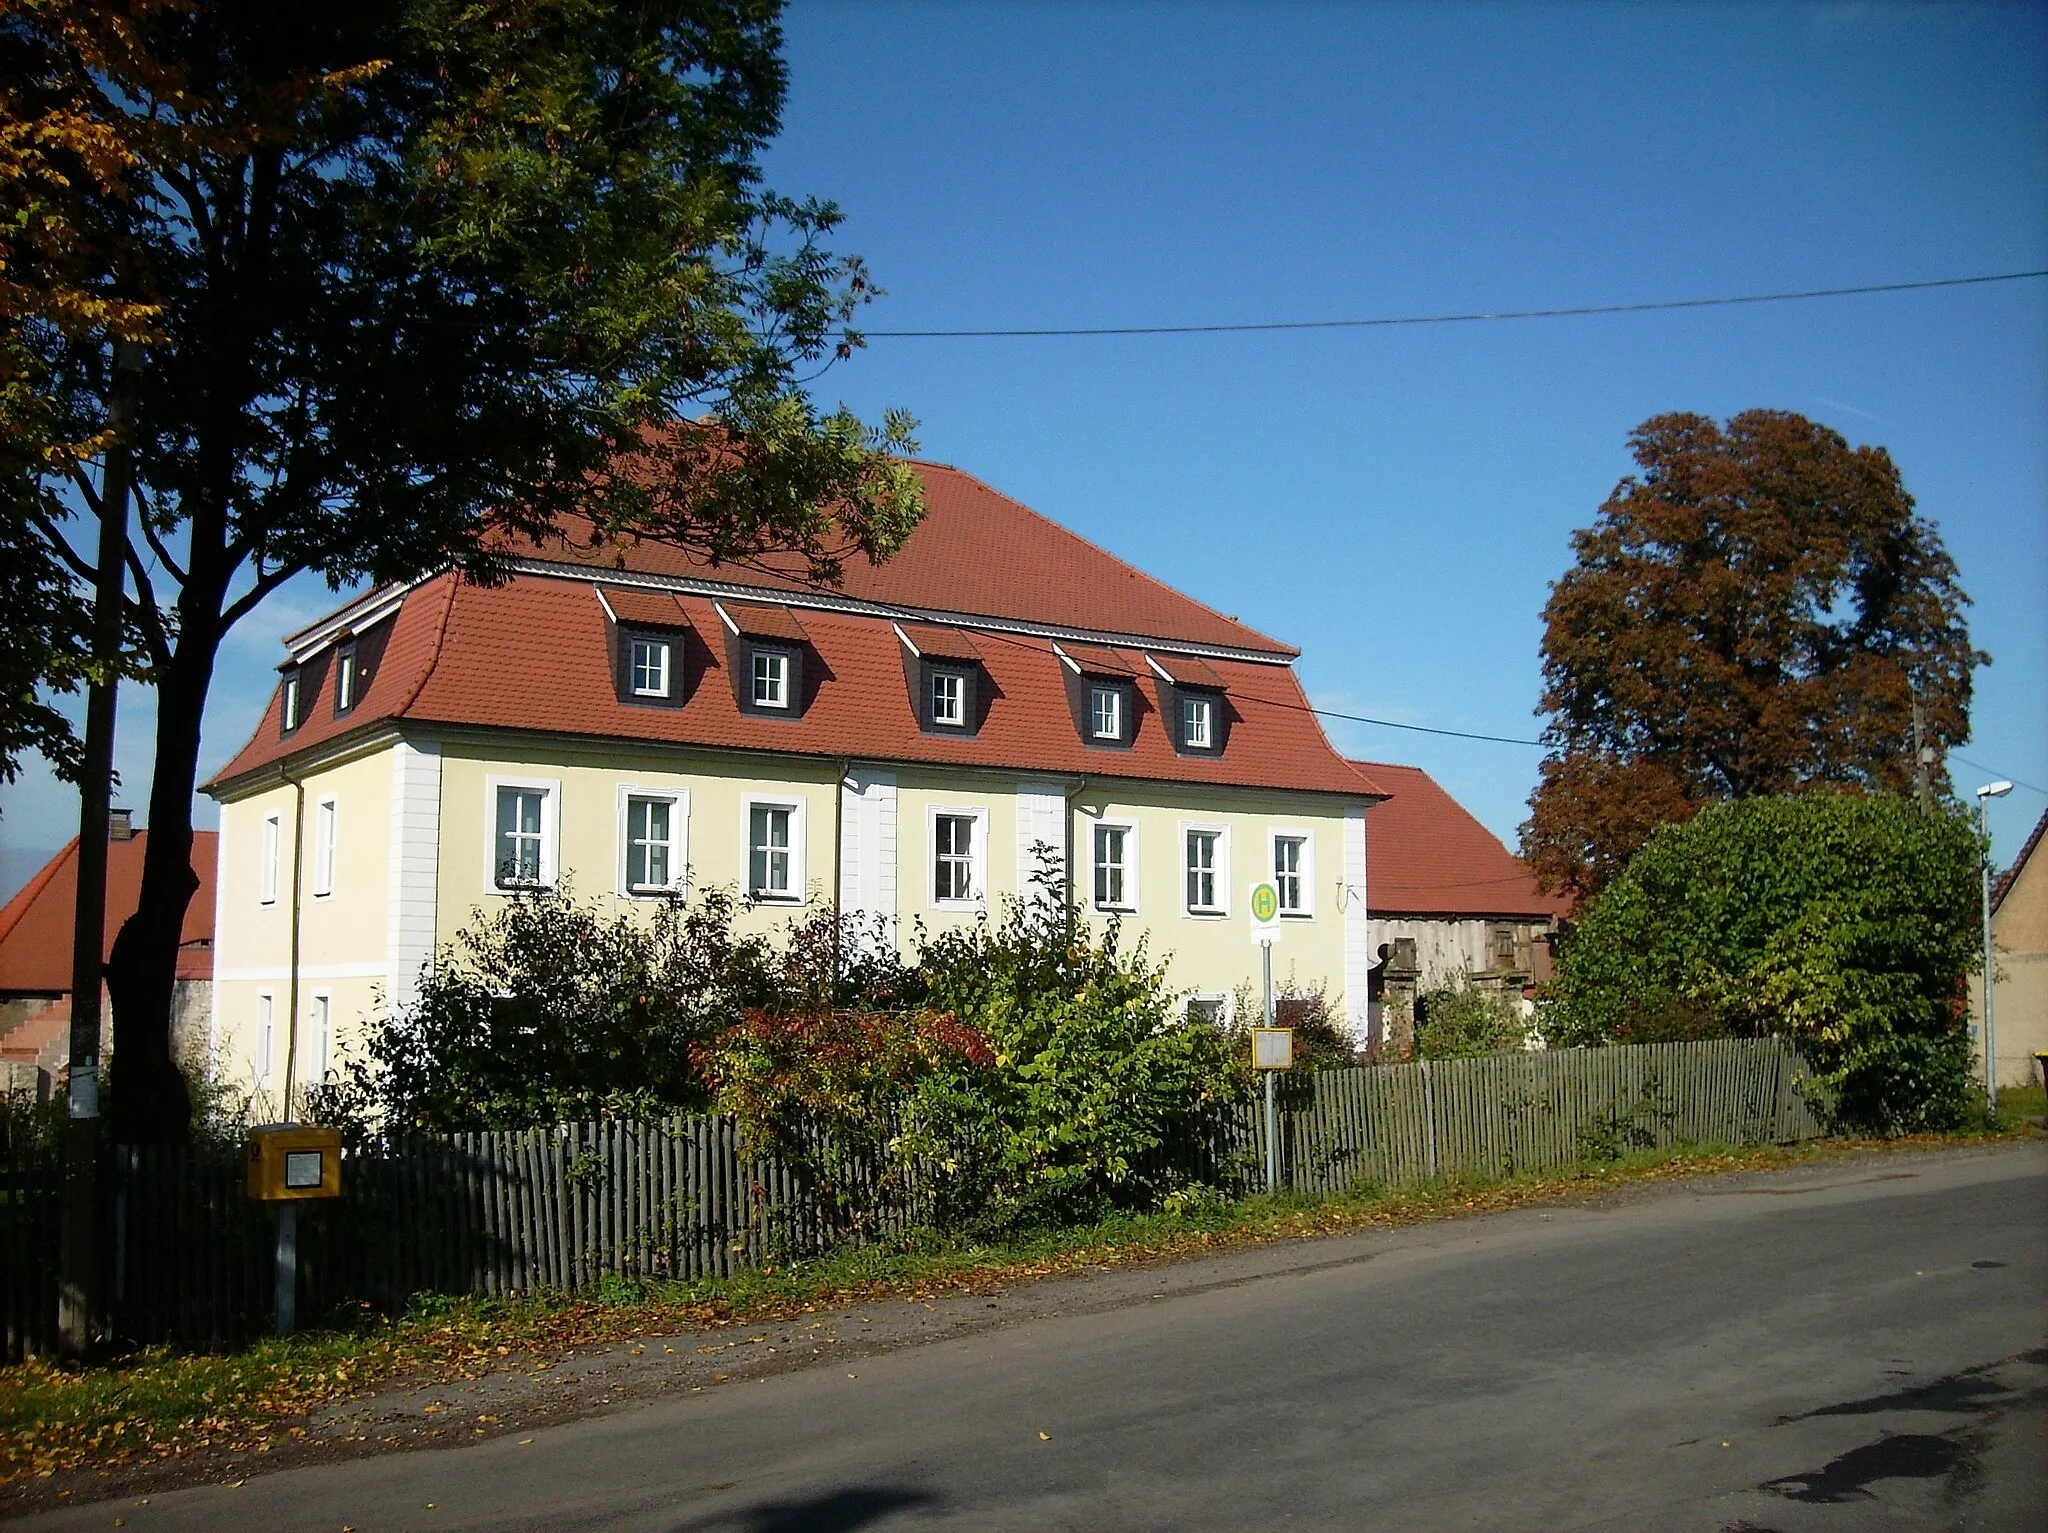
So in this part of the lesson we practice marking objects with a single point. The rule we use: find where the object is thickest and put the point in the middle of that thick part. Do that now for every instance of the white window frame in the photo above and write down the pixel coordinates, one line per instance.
(785, 664)
(977, 869)
(1226, 1005)
(678, 800)
(1307, 909)
(264, 1052)
(550, 790)
(799, 888)
(289, 706)
(346, 678)
(326, 816)
(320, 1025)
(1192, 703)
(937, 675)
(1098, 690)
(1221, 908)
(272, 846)
(657, 649)
(1129, 904)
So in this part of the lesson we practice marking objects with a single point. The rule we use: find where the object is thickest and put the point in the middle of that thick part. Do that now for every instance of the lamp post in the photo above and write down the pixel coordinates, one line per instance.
(1985, 795)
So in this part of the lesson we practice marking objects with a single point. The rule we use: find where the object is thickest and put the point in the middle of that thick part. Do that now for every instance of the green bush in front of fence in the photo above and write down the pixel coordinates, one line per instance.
(1463, 1021)
(1845, 920)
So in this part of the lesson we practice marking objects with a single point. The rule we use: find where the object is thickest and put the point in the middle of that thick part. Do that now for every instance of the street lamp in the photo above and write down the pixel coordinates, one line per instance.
(1985, 795)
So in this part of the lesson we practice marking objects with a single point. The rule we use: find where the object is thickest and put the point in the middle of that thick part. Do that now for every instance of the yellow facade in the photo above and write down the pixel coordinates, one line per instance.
(415, 826)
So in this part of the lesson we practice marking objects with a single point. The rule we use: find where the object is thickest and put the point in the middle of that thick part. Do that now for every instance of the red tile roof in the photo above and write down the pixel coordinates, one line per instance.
(653, 609)
(976, 551)
(35, 926)
(1426, 855)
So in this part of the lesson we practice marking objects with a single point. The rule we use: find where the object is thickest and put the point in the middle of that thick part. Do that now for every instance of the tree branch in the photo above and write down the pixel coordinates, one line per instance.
(63, 549)
(249, 600)
(146, 609)
(163, 554)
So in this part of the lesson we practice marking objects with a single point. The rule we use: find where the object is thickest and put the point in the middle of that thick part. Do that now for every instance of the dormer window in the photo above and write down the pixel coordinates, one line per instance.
(949, 699)
(344, 678)
(648, 664)
(1105, 711)
(771, 678)
(1197, 721)
(288, 708)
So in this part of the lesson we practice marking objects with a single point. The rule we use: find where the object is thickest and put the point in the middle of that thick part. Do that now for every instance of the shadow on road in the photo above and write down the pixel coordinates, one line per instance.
(839, 1511)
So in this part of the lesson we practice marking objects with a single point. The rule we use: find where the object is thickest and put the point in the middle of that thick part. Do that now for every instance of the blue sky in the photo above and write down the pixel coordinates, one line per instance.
(1396, 502)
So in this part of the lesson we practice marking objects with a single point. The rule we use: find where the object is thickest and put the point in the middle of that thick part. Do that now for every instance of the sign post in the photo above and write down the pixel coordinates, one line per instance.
(1272, 1047)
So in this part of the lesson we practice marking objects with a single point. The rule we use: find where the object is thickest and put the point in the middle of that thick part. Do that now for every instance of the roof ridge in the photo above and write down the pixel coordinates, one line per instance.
(1090, 543)
(12, 912)
(454, 579)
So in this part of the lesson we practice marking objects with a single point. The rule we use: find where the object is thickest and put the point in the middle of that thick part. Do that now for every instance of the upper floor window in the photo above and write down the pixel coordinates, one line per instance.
(953, 857)
(1105, 712)
(1115, 871)
(949, 699)
(1197, 721)
(1206, 873)
(344, 678)
(266, 872)
(772, 851)
(651, 862)
(771, 678)
(648, 664)
(1290, 873)
(522, 849)
(325, 814)
(288, 706)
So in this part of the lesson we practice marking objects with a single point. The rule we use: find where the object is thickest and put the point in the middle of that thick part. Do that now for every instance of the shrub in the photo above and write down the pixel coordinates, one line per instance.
(1847, 921)
(1463, 1020)
(1321, 1040)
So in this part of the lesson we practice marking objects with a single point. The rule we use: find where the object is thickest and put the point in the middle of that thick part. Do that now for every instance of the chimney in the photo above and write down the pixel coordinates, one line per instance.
(120, 825)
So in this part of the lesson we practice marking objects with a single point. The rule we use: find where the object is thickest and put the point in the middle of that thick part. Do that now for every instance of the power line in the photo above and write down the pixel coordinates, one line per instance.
(1980, 766)
(1420, 729)
(1456, 319)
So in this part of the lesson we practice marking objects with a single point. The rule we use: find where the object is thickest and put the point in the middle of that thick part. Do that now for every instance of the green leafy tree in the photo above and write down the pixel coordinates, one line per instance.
(1754, 613)
(1847, 921)
(1463, 1020)
(413, 275)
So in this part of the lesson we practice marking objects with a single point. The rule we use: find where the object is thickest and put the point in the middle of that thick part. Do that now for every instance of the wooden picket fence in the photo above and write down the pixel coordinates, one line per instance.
(189, 1256)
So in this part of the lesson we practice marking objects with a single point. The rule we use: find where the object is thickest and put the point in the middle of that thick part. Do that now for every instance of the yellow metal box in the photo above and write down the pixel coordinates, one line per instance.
(289, 1161)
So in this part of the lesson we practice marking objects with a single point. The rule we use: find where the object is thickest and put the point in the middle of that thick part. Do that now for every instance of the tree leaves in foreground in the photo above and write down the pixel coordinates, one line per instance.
(412, 275)
(1845, 920)
(1752, 614)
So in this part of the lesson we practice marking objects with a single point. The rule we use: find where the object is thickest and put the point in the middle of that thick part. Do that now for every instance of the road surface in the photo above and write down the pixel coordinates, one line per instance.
(1856, 1345)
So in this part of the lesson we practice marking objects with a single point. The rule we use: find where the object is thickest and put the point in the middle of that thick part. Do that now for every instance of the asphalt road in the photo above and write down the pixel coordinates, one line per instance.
(1849, 1346)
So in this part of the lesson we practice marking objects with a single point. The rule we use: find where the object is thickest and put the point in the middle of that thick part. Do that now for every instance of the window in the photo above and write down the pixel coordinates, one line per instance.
(954, 850)
(323, 847)
(1211, 1009)
(521, 855)
(652, 865)
(1206, 870)
(1291, 873)
(1198, 722)
(772, 852)
(1116, 872)
(288, 707)
(266, 874)
(949, 699)
(1106, 712)
(344, 678)
(266, 1039)
(1503, 947)
(319, 1026)
(649, 667)
(771, 678)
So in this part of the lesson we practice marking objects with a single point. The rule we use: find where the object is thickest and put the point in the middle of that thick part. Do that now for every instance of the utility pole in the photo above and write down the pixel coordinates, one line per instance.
(1923, 756)
(78, 1307)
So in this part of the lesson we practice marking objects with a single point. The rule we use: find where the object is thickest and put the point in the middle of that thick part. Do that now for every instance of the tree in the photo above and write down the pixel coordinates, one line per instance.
(1755, 613)
(1846, 920)
(413, 275)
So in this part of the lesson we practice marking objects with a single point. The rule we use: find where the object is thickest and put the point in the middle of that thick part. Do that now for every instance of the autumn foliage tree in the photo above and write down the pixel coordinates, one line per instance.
(409, 273)
(1754, 612)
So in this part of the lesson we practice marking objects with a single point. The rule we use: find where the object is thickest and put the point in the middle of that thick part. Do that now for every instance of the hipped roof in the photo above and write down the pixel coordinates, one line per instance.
(1425, 855)
(36, 925)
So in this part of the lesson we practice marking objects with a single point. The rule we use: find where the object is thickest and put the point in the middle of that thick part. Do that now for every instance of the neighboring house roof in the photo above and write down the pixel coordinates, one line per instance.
(537, 653)
(36, 925)
(1426, 855)
(2019, 863)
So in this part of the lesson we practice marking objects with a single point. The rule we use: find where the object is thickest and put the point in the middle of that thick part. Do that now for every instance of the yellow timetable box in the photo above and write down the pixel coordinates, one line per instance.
(290, 1161)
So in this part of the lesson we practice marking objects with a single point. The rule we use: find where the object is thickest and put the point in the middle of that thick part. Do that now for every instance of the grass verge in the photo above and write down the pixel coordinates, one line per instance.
(158, 1404)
